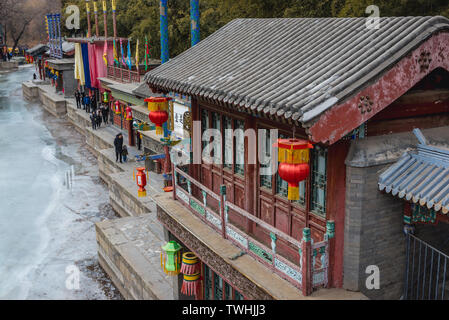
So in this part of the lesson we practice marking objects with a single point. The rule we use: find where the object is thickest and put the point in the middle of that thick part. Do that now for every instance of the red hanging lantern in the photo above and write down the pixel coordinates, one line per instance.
(117, 108)
(158, 118)
(158, 107)
(141, 182)
(294, 155)
(129, 113)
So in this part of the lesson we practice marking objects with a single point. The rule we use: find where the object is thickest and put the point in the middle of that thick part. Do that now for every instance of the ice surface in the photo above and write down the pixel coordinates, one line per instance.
(50, 198)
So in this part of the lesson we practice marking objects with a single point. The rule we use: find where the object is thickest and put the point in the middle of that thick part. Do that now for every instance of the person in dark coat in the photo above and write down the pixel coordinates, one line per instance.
(83, 100)
(125, 153)
(93, 119)
(139, 141)
(118, 144)
(105, 112)
(93, 103)
(111, 113)
(99, 118)
(78, 99)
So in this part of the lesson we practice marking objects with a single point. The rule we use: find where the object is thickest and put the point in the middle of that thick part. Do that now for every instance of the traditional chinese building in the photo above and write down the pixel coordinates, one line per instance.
(357, 94)
(39, 55)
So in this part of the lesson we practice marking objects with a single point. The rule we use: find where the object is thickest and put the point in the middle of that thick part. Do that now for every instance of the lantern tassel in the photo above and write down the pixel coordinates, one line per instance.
(134, 174)
(159, 131)
(142, 194)
(191, 288)
(190, 269)
(293, 193)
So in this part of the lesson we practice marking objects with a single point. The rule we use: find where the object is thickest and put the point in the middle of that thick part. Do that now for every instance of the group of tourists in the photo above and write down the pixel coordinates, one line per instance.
(98, 114)
(4, 54)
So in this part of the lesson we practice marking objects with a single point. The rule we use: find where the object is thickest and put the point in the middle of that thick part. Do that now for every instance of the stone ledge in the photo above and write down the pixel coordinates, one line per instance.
(133, 271)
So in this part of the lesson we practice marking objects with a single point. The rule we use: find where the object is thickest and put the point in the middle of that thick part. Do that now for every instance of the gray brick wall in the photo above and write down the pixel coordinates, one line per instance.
(373, 235)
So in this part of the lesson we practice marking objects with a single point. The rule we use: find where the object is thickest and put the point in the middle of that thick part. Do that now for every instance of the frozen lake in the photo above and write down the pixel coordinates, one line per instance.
(50, 199)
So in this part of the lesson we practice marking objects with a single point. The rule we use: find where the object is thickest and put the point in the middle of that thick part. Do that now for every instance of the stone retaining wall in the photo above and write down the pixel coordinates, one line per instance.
(80, 122)
(128, 268)
(8, 65)
(30, 91)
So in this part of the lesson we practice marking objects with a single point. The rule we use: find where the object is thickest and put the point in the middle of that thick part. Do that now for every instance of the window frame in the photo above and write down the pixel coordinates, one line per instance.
(213, 280)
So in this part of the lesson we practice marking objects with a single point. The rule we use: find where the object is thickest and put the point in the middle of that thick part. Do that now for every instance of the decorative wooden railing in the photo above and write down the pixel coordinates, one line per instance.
(314, 258)
(123, 75)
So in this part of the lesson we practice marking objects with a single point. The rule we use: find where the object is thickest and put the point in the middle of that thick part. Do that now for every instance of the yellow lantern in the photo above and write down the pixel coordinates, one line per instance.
(294, 156)
(158, 107)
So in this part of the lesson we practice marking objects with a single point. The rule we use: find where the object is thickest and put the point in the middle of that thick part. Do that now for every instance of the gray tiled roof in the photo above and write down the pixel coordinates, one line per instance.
(66, 47)
(420, 176)
(143, 91)
(40, 48)
(294, 68)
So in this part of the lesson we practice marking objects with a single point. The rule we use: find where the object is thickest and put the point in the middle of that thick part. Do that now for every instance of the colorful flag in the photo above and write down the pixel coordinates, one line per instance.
(147, 53)
(137, 55)
(123, 53)
(128, 61)
(105, 53)
(116, 61)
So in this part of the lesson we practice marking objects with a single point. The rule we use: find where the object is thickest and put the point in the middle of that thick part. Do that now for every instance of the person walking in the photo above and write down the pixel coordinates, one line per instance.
(118, 144)
(125, 153)
(93, 119)
(139, 141)
(78, 99)
(99, 118)
(88, 103)
(83, 100)
(93, 103)
(105, 111)
(111, 113)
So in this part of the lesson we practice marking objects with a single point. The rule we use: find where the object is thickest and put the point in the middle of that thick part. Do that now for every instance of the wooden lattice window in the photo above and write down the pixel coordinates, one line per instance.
(216, 124)
(215, 288)
(239, 166)
(266, 180)
(318, 181)
(228, 145)
(204, 126)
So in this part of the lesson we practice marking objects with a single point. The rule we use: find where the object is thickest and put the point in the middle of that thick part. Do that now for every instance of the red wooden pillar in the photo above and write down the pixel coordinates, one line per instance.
(306, 255)
(130, 133)
(336, 200)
